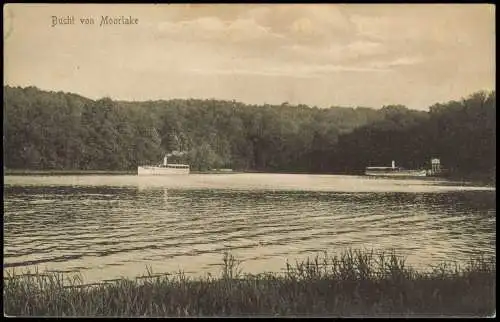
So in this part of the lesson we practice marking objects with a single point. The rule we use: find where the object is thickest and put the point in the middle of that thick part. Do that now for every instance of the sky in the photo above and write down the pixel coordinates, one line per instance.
(316, 54)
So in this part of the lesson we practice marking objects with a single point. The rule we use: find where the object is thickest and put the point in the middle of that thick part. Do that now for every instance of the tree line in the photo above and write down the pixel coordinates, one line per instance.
(64, 131)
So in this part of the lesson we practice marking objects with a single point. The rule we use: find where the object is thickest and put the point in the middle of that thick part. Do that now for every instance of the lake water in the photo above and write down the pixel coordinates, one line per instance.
(106, 227)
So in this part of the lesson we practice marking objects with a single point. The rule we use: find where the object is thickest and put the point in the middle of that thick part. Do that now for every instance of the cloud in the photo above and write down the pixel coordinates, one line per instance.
(314, 32)
(201, 27)
(401, 61)
(400, 22)
(303, 23)
(365, 48)
(213, 28)
(248, 29)
(208, 24)
(332, 16)
(304, 26)
(418, 28)
(257, 13)
(296, 71)
(358, 50)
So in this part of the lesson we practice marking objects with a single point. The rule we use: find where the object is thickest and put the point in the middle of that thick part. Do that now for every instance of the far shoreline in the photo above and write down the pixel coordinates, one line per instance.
(479, 180)
(24, 172)
(29, 172)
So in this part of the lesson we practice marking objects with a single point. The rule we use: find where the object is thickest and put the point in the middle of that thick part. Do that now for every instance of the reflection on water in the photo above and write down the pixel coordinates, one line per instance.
(116, 226)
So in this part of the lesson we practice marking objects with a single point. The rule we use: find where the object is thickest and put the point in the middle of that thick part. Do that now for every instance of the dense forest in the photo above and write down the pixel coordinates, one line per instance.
(56, 130)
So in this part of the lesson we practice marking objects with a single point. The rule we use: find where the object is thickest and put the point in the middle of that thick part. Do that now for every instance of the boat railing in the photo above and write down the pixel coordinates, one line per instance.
(170, 165)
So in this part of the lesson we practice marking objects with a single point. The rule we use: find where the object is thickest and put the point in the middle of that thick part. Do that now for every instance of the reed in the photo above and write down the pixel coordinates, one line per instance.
(353, 283)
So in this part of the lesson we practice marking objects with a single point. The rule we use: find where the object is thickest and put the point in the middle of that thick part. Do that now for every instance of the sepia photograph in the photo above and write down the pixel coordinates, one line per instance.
(249, 160)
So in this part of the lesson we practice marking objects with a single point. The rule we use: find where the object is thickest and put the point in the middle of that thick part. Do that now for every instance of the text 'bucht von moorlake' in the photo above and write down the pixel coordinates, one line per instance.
(101, 21)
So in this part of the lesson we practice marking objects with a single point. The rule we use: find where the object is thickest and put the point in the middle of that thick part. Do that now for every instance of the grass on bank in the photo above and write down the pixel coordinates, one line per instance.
(354, 283)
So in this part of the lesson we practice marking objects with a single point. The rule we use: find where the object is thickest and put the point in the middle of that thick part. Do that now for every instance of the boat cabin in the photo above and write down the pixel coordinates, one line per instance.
(172, 165)
(385, 169)
(175, 166)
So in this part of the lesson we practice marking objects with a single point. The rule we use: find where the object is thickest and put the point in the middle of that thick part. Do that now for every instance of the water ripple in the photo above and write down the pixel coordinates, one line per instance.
(100, 229)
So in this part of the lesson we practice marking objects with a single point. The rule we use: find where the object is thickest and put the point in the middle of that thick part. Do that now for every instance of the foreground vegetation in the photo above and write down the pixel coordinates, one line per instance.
(352, 284)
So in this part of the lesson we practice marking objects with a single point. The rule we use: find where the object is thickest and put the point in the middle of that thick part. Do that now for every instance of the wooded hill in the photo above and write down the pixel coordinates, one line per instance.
(64, 131)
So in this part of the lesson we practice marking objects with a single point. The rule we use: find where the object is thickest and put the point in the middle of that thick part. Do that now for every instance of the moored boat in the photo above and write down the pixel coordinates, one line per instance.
(394, 171)
(163, 169)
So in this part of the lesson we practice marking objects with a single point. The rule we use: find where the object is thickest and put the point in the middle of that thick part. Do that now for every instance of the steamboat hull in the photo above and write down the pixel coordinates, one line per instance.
(160, 171)
(402, 173)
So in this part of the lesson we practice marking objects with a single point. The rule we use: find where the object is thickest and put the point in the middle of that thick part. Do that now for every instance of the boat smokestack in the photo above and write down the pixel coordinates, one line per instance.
(393, 164)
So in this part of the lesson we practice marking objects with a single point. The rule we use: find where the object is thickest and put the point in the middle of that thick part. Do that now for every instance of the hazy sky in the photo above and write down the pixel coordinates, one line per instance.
(314, 54)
